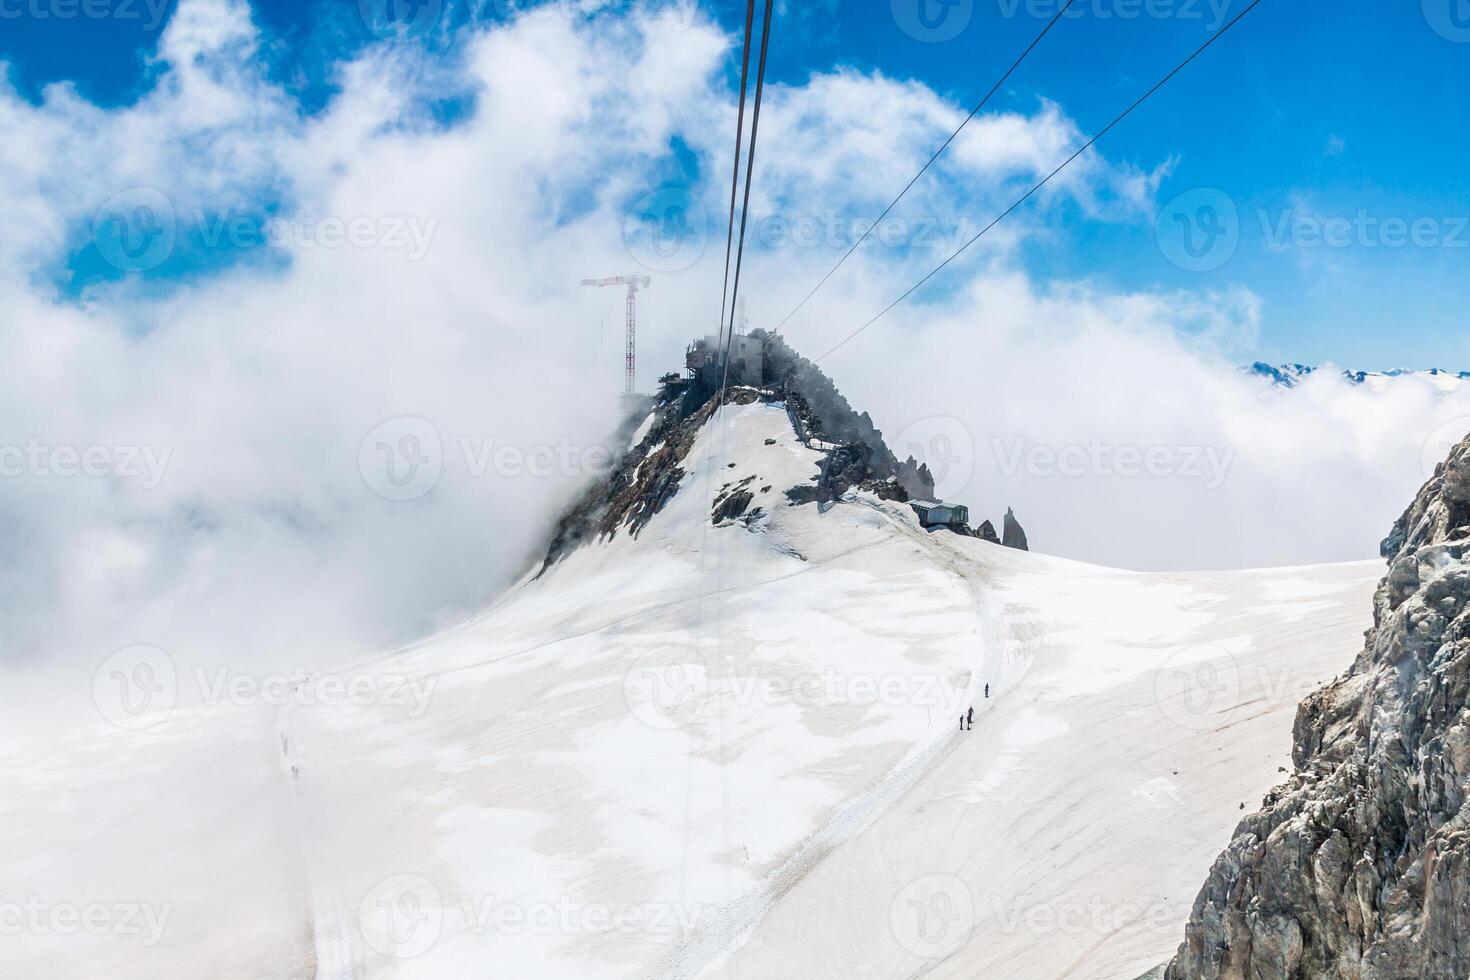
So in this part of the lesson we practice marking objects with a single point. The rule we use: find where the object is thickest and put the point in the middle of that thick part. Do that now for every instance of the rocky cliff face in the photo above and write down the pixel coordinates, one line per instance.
(1359, 866)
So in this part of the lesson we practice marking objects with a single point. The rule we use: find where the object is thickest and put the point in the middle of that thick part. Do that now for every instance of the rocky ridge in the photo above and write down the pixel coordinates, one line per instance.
(1359, 865)
(855, 456)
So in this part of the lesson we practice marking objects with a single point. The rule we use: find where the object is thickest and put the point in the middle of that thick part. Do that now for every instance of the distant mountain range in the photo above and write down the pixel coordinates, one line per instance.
(1291, 375)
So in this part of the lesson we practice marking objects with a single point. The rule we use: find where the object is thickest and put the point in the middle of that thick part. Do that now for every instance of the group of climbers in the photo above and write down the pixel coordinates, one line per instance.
(967, 720)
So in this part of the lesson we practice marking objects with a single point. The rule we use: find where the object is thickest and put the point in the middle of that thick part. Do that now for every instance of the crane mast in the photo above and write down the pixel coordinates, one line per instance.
(630, 348)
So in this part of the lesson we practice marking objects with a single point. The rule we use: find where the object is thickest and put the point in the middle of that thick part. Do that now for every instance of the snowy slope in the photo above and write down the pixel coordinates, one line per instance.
(145, 853)
(553, 780)
(1062, 835)
(722, 751)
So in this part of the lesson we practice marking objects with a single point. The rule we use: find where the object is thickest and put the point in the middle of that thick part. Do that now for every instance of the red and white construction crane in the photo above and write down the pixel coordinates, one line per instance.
(634, 283)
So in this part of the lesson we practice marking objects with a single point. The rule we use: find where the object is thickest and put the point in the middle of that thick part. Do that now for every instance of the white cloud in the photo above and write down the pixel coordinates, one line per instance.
(1051, 385)
(262, 541)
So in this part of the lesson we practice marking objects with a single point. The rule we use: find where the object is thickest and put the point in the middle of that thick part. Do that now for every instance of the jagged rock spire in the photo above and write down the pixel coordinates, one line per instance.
(1012, 534)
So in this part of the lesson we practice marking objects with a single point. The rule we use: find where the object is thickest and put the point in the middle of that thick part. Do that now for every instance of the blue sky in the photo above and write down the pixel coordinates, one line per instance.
(1325, 133)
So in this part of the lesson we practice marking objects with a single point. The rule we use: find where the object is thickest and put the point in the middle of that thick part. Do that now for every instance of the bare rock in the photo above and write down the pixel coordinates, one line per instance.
(1359, 865)
(644, 480)
(1013, 535)
(731, 505)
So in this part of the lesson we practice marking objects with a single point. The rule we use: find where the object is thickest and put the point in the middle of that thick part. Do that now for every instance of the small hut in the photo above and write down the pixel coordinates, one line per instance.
(937, 513)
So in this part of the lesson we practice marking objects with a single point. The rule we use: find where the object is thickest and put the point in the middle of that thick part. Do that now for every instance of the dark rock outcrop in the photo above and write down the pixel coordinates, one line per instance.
(986, 532)
(827, 415)
(733, 501)
(820, 413)
(1013, 535)
(643, 481)
(731, 507)
(916, 479)
(1359, 866)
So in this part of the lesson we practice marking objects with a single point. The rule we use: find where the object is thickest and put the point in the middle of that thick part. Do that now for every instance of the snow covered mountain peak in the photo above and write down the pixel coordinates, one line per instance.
(1292, 375)
(841, 453)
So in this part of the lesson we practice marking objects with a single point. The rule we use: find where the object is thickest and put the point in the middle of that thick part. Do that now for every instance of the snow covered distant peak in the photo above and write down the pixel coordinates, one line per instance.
(1282, 376)
(1291, 375)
